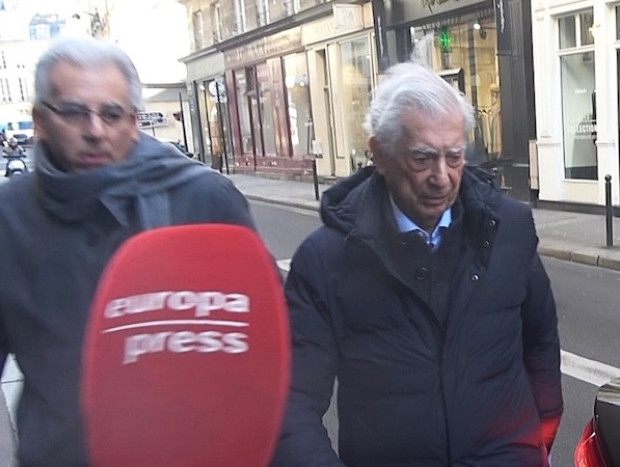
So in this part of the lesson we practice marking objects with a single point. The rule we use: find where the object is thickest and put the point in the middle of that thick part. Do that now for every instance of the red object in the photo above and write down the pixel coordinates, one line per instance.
(588, 452)
(187, 352)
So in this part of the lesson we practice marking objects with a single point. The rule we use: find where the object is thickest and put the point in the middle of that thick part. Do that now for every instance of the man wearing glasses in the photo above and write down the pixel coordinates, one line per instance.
(97, 181)
(424, 296)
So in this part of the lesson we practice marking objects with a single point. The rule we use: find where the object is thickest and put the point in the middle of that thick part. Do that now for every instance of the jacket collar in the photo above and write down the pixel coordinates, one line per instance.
(360, 206)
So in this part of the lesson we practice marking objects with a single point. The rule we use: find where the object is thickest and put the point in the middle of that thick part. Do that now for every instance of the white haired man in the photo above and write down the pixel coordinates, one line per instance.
(423, 294)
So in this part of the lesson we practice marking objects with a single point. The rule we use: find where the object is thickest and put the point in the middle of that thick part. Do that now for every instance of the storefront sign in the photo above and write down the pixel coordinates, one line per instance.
(346, 18)
(204, 67)
(151, 120)
(406, 11)
(278, 44)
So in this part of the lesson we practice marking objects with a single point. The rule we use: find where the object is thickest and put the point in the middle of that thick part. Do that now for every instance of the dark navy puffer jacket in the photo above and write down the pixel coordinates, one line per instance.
(412, 392)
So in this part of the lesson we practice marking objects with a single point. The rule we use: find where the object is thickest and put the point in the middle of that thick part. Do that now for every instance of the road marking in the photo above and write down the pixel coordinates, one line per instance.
(581, 368)
(284, 264)
(589, 371)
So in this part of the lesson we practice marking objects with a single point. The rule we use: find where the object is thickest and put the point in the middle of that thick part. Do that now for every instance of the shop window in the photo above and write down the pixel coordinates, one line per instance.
(213, 109)
(298, 96)
(465, 54)
(356, 94)
(265, 110)
(578, 97)
(245, 124)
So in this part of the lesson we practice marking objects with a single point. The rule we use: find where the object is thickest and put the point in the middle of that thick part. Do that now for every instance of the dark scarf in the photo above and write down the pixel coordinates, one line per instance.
(144, 177)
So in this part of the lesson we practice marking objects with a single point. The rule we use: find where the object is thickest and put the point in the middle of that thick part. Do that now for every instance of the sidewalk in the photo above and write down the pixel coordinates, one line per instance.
(568, 236)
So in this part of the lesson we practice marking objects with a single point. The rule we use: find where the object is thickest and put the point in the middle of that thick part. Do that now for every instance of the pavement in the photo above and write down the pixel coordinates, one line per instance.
(568, 236)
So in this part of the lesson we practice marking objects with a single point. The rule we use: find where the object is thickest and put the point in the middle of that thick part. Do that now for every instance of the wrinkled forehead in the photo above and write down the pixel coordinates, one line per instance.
(437, 129)
(103, 82)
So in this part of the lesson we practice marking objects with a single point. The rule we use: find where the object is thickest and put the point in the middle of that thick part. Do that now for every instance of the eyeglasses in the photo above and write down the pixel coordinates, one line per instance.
(76, 113)
(420, 159)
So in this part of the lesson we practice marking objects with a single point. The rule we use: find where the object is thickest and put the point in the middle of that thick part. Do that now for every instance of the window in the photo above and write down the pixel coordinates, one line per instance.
(23, 94)
(292, 6)
(262, 12)
(199, 32)
(578, 96)
(5, 91)
(465, 55)
(245, 123)
(356, 93)
(240, 16)
(265, 102)
(217, 22)
(298, 96)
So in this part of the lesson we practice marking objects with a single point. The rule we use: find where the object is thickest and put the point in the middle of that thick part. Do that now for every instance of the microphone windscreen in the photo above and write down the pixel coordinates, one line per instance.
(187, 351)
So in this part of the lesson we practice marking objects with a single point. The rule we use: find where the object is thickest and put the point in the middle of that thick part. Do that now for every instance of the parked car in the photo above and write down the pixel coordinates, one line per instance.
(22, 138)
(599, 446)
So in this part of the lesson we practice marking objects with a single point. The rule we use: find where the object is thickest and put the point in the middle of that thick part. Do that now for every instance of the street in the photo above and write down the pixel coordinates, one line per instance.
(588, 317)
(587, 312)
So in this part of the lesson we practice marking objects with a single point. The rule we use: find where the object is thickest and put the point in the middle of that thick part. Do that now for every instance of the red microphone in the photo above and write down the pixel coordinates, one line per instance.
(187, 351)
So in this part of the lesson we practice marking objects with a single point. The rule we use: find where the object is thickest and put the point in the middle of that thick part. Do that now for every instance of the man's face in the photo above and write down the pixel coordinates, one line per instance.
(424, 173)
(79, 139)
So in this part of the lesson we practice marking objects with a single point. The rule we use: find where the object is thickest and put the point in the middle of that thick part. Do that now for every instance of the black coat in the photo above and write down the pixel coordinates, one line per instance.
(412, 391)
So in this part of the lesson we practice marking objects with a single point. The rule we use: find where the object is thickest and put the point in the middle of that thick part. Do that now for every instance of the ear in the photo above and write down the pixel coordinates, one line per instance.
(378, 157)
(38, 119)
(136, 132)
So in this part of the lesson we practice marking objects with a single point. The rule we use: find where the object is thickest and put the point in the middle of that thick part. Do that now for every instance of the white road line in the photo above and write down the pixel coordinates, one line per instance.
(284, 264)
(589, 371)
(581, 368)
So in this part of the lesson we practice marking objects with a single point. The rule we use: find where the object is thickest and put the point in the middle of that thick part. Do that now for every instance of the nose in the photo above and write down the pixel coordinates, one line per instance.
(95, 126)
(440, 171)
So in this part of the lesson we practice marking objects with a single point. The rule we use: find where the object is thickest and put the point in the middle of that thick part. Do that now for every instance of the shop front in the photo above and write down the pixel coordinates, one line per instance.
(577, 67)
(207, 107)
(269, 104)
(484, 50)
(341, 60)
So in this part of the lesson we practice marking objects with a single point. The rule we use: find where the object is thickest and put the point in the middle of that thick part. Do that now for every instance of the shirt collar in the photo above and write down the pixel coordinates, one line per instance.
(406, 225)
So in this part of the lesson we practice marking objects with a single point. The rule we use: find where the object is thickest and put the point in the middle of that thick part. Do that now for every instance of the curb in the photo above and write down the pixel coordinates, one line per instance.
(588, 256)
(291, 204)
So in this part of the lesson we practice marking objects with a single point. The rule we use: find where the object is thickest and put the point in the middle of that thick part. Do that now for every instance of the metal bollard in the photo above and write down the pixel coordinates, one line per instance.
(315, 178)
(609, 224)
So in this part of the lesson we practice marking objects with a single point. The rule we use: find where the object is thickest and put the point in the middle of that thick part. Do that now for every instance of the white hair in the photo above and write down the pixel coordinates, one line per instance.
(414, 87)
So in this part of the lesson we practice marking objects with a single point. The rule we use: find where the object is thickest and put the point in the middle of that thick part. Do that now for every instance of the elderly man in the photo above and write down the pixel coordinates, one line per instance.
(98, 181)
(423, 294)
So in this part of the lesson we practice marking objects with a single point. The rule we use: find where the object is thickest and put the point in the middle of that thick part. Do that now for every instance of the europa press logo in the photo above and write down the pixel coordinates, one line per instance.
(189, 309)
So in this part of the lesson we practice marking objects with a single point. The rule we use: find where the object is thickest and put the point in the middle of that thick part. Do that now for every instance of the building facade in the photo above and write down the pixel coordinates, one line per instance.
(278, 87)
(484, 48)
(576, 61)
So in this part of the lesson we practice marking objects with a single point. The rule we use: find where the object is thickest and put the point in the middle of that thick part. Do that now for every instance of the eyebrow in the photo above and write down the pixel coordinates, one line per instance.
(423, 149)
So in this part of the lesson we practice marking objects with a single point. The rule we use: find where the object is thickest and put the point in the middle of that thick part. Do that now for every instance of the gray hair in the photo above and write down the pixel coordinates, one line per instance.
(85, 52)
(411, 86)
